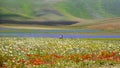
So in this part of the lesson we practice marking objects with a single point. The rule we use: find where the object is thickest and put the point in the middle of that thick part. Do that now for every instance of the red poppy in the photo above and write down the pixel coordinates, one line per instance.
(37, 61)
(22, 61)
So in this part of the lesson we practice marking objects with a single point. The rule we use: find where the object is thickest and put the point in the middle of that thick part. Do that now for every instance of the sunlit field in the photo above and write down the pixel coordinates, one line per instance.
(16, 52)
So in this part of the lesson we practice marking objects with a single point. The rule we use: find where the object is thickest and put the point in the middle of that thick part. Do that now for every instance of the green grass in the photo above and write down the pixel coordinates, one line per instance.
(16, 52)
(86, 9)
(18, 8)
(89, 9)
(76, 9)
(8, 13)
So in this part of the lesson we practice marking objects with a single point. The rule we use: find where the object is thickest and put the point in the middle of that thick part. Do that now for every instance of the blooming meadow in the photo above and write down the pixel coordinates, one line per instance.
(16, 52)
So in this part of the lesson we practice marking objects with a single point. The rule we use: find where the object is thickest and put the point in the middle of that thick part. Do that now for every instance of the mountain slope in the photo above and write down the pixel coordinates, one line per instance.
(109, 24)
(92, 8)
(59, 9)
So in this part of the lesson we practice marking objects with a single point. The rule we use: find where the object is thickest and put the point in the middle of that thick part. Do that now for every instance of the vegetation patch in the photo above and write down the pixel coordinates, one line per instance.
(60, 53)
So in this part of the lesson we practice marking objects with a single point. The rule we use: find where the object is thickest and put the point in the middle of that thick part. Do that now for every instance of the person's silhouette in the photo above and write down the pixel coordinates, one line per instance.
(61, 36)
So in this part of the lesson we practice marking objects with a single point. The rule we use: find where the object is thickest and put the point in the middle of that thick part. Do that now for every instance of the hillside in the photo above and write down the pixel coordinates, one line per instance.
(29, 9)
(112, 24)
(90, 9)
(59, 9)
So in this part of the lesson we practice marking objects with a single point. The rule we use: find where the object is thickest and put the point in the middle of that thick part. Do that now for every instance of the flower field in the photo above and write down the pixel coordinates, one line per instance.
(16, 52)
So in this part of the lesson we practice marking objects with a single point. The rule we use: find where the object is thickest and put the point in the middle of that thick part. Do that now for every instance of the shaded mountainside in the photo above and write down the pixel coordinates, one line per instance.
(58, 9)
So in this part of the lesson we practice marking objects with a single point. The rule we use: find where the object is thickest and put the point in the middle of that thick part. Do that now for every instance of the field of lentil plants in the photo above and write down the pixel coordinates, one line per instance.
(16, 52)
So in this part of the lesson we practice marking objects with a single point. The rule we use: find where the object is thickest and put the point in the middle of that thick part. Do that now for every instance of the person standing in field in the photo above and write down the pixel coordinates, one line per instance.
(61, 36)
